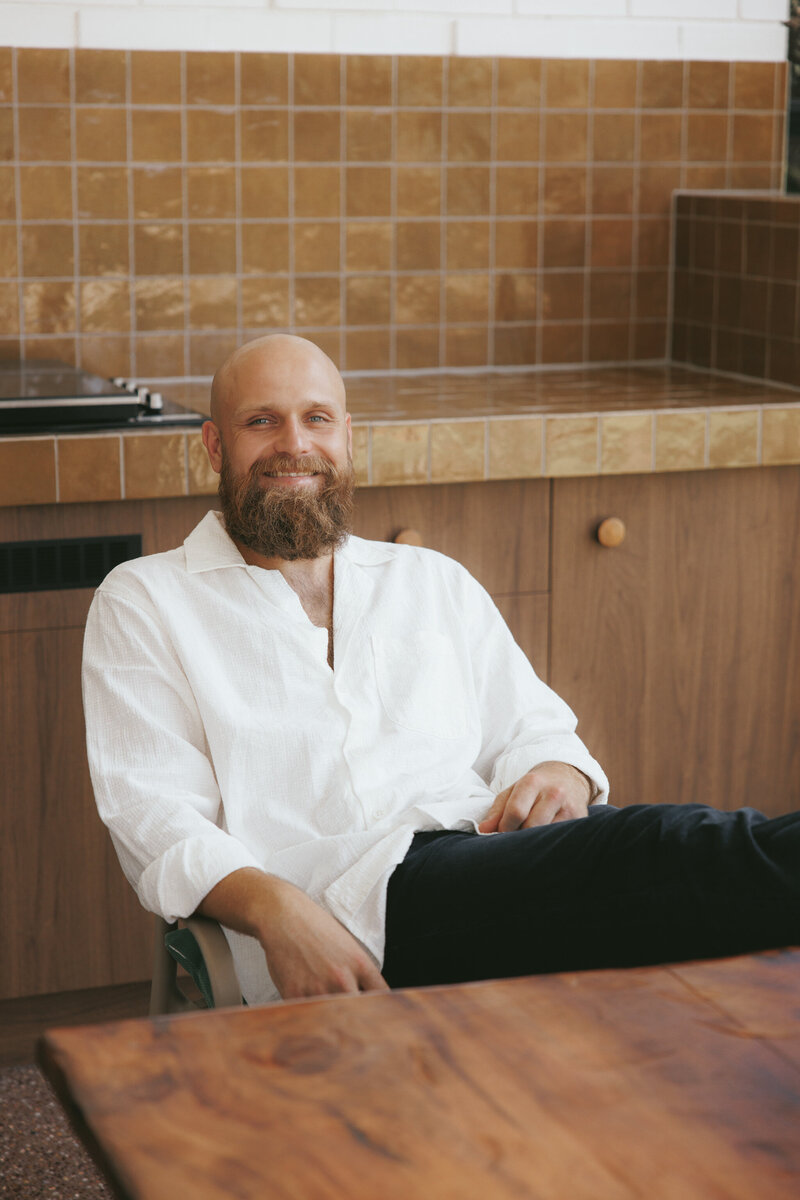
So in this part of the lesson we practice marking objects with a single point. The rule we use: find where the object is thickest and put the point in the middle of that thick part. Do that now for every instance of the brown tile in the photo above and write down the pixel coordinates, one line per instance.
(419, 136)
(160, 354)
(613, 137)
(562, 295)
(571, 446)
(49, 307)
(101, 135)
(732, 439)
(705, 178)
(467, 297)
(316, 246)
(44, 135)
(158, 249)
(105, 306)
(264, 135)
(203, 480)
(42, 76)
(100, 76)
(208, 350)
(317, 191)
(265, 249)
(709, 84)
(757, 249)
(515, 448)
(361, 454)
(369, 137)
(368, 245)
(750, 178)
(160, 304)
(45, 193)
(317, 136)
(566, 83)
(519, 82)
(265, 191)
(416, 300)
(564, 190)
(418, 245)
(212, 249)
(27, 471)
(330, 342)
(317, 79)
(785, 247)
(707, 136)
(752, 138)
(517, 191)
(656, 185)
(211, 192)
(626, 444)
(265, 79)
(102, 192)
(781, 436)
(158, 193)
(103, 249)
(6, 74)
(783, 309)
(89, 469)
(419, 191)
(212, 304)
(8, 200)
(399, 454)
(368, 300)
(419, 80)
(457, 451)
(517, 137)
(156, 135)
(651, 239)
(210, 77)
(7, 138)
(317, 302)
(9, 308)
(612, 190)
(615, 83)
(652, 294)
(610, 294)
(107, 354)
(154, 465)
(265, 302)
(155, 77)
(368, 349)
(368, 79)
(662, 84)
(9, 265)
(469, 137)
(210, 135)
(368, 191)
(516, 243)
(562, 343)
(416, 349)
(515, 297)
(515, 345)
(467, 244)
(680, 441)
(61, 349)
(660, 137)
(753, 85)
(564, 243)
(47, 250)
(10, 349)
(469, 82)
(565, 137)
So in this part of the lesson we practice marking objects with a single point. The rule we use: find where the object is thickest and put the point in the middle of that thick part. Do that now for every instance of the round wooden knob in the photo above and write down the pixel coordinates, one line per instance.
(611, 532)
(409, 537)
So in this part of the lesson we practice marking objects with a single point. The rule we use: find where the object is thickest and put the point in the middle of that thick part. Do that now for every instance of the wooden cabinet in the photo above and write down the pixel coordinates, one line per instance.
(679, 649)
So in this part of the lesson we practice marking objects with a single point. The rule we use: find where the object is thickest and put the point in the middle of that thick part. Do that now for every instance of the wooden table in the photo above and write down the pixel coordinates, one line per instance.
(674, 1082)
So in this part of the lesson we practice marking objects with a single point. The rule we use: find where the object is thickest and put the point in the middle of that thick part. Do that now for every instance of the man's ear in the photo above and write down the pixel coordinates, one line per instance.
(213, 444)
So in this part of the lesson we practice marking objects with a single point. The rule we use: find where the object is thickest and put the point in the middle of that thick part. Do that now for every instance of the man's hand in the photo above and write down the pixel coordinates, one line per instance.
(553, 791)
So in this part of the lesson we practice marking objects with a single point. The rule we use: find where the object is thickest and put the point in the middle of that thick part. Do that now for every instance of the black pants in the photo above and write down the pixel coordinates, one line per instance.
(623, 887)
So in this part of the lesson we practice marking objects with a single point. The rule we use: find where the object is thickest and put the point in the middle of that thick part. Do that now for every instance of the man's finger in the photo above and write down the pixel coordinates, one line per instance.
(490, 822)
(544, 812)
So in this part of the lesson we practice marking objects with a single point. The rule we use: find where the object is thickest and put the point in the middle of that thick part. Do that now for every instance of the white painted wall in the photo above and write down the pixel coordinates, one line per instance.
(728, 30)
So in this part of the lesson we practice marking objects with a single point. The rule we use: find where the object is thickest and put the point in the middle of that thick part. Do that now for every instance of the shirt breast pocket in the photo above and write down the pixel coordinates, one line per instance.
(421, 683)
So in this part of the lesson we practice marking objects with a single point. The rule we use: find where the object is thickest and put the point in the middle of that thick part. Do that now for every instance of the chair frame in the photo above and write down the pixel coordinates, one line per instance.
(165, 993)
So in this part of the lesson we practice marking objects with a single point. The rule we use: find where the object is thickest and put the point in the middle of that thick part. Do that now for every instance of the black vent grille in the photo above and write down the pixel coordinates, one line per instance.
(64, 563)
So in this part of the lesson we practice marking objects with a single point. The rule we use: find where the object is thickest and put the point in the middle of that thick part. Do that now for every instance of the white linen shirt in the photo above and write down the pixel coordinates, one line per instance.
(219, 737)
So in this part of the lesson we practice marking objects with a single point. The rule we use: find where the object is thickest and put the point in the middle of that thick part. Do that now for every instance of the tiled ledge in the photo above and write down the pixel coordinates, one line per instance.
(553, 424)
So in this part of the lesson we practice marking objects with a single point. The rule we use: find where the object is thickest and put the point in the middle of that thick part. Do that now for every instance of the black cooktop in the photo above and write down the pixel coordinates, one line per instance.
(42, 396)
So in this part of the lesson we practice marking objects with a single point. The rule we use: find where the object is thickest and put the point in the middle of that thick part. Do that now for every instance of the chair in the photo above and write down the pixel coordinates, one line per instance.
(199, 945)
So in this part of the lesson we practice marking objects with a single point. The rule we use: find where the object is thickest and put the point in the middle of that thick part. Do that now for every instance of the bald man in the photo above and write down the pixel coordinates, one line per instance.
(335, 748)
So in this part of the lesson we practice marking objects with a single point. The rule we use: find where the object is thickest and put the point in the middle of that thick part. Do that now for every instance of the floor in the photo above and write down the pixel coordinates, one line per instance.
(39, 1156)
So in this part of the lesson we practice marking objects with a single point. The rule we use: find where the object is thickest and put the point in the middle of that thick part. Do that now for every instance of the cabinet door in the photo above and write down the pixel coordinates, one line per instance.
(679, 649)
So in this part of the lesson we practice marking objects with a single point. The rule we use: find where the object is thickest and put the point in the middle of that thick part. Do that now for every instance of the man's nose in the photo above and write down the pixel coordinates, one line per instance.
(293, 438)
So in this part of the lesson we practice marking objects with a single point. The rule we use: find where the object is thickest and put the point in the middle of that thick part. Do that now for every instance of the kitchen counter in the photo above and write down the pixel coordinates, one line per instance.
(449, 428)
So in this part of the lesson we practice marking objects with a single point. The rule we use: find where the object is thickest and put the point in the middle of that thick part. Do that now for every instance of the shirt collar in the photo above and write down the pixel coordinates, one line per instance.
(209, 548)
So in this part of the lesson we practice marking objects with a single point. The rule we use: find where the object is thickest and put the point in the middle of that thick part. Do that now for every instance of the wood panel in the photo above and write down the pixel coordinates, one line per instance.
(679, 649)
(528, 619)
(25, 1019)
(499, 531)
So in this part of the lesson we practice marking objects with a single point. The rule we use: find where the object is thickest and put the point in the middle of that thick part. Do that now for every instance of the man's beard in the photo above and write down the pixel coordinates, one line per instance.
(285, 521)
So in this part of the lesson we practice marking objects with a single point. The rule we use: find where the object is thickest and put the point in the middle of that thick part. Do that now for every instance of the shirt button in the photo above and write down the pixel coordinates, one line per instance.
(380, 813)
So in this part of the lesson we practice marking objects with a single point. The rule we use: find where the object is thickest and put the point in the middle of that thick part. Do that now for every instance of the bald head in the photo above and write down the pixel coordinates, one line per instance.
(276, 356)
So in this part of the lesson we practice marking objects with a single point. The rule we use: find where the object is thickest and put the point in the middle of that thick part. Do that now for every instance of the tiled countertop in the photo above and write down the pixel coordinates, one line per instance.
(453, 428)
